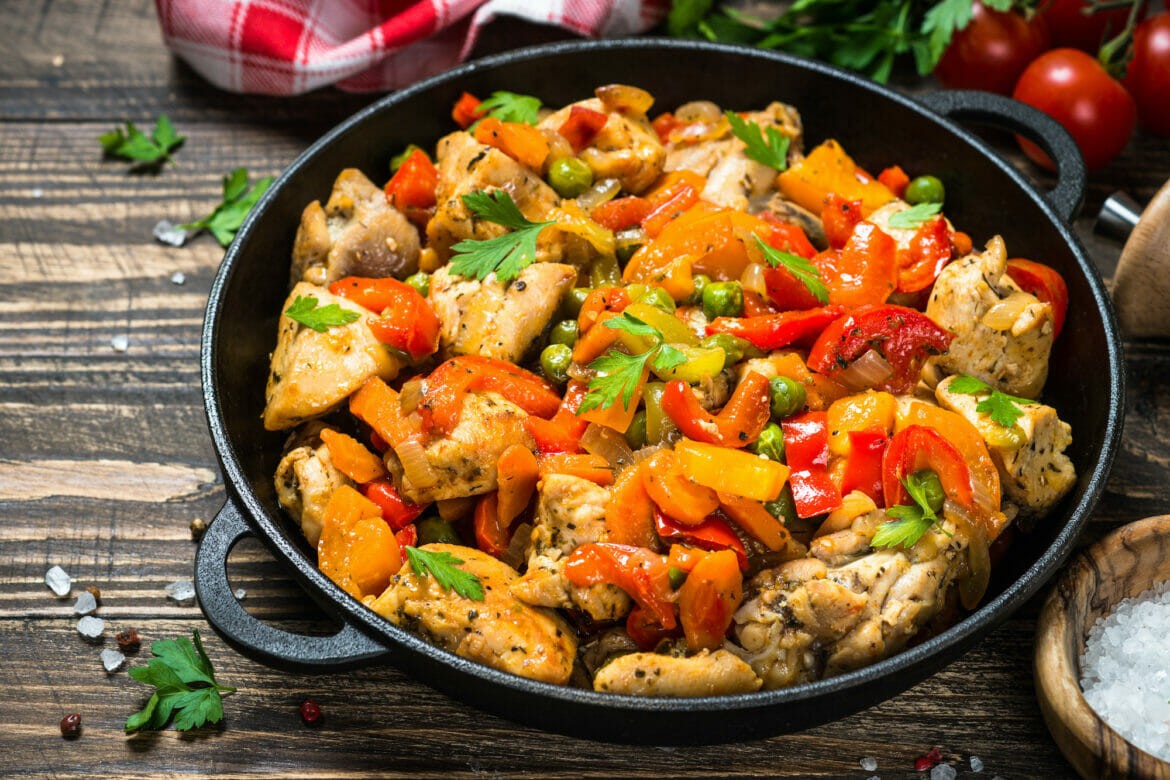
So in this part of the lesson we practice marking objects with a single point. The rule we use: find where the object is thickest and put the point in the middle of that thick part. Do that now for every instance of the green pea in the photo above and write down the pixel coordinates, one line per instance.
(656, 296)
(784, 507)
(605, 272)
(570, 176)
(626, 242)
(771, 443)
(931, 487)
(573, 301)
(636, 433)
(701, 281)
(555, 360)
(676, 576)
(421, 282)
(788, 396)
(733, 346)
(925, 189)
(434, 529)
(722, 299)
(564, 332)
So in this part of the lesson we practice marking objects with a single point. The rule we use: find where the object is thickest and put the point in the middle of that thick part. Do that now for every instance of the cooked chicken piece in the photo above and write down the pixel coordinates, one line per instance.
(1002, 334)
(312, 373)
(1035, 473)
(494, 319)
(464, 462)
(802, 622)
(733, 179)
(570, 512)
(651, 674)
(306, 480)
(357, 234)
(501, 631)
(626, 148)
(466, 166)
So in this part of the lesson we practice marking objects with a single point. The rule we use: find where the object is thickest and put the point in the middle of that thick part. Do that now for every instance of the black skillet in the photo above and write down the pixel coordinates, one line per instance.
(878, 127)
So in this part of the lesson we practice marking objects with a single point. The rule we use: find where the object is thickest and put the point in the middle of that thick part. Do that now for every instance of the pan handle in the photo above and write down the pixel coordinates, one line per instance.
(346, 649)
(991, 109)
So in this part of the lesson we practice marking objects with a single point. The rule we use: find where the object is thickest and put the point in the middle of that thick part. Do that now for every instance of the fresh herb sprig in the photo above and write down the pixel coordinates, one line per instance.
(765, 145)
(320, 318)
(511, 107)
(225, 220)
(185, 687)
(1002, 408)
(804, 271)
(144, 150)
(505, 255)
(618, 374)
(442, 566)
(914, 216)
(910, 522)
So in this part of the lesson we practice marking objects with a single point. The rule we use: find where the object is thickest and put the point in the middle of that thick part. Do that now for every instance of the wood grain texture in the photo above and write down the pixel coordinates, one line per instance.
(78, 266)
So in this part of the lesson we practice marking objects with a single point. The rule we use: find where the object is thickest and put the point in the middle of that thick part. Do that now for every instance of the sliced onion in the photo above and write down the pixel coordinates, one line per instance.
(753, 278)
(521, 537)
(411, 395)
(869, 370)
(698, 111)
(415, 467)
(609, 444)
(623, 97)
(1006, 313)
(975, 576)
(645, 452)
(599, 193)
(853, 505)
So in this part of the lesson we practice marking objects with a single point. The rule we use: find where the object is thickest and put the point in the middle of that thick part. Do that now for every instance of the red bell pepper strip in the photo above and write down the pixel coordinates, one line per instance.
(708, 599)
(621, 213)
(806, 448)
(491, 535)
(863, 468)
(788, 237)
(664, 124)
(787, 292)
(414, 184)
(396, 511)
(639, 572)
(407, 322)
(599, 300)
(563, 432)
(929, 251)
(895, 179)
(839, 217)
(864, 271)
(756, 305)
(917, 447)
(407, 537)
(582, 127)
(714, 533)
(905, 337)
(646, 631)
(466, 110)
(1043, 282)
(445, 388)
(737, 425)
(774, 331)
(681, 196)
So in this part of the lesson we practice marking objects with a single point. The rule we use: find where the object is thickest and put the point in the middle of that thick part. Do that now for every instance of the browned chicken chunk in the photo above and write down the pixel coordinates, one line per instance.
(652, 674)
(306, 479)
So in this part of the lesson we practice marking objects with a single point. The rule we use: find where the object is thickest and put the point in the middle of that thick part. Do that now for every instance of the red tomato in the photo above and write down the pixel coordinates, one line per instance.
(1070, 26)
(1043, 282)
(1075, 90)
(992, 51)
(1148, 75)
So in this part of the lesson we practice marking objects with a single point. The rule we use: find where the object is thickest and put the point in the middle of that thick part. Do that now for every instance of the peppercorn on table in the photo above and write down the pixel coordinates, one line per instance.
(106, 465)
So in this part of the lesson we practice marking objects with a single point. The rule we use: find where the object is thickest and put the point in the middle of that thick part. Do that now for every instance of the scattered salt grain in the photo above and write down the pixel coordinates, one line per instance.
(1124, 670)
(943, 772)
(874, 777)
(869, 763)
(120, 343)
(169, 233)
(37, 193)
(182, 592)
(58, 581)
(91, 627)
(178, 277)
(112, 660)
(241, 594)
(86, 603)
(58, 60)
(976, 764)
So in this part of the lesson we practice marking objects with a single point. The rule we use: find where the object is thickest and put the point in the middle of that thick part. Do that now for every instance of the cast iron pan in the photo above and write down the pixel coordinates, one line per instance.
(878, 127)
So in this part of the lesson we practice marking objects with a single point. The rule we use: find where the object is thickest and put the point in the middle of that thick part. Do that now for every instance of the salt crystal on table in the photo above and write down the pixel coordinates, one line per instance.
(120, 343)
(976, 764)
(943, 772)
(869, 763)
(91, 627)
(58, 581)
(112, 660)
(241, 594)
(86, 603)
(37, 192)
(170, 234)
(178, 277)
(181, 592)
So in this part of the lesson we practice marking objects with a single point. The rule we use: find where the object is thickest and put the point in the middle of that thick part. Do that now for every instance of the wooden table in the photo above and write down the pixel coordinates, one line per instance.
(105, 461)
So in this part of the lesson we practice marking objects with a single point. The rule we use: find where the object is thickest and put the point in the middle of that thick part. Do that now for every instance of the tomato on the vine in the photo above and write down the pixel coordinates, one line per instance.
(1074, 89)
(1147, 76)
(1074, 23)
(992, 51)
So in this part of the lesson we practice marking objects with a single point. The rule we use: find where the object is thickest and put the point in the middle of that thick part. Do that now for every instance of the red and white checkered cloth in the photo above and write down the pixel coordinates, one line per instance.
(286, 47)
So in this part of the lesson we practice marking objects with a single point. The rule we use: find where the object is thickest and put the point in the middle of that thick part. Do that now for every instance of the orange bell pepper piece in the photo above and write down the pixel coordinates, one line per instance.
(563, 432)
(820, 390)
(357, 550)
(414, 184)
(377, 405)
(593, 343)
(591, 467)
(629, 514)
(523, 143)
(738, 424)
(708, 599)
(638, 571)
(351, 458)
(758, 522)
(895, 180)
(598, 301)
(466, 110)
(517, 473)
(442, 401)
(826, 169)
(491, 533)
(675, 494)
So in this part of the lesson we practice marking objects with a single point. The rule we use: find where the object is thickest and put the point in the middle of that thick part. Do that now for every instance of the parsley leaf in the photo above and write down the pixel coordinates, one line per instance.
(909, 522)
(185, 686)
(146, 151)
(1002, 408)
(765, 145)
(632, 325)
(506, 255)
(804, 271)
(667, 357)
(619, 374)
(441, 566)
(305, 311)
(511, 107)
(915, 215)
(238, 200)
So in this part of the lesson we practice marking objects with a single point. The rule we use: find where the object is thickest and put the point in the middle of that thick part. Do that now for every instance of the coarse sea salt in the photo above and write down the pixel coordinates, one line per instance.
(91, 627)
(112, 660)
(1124, 670)
(943, 772)
(181, 592)
(58, 581)
(869, 763)
(86, 603)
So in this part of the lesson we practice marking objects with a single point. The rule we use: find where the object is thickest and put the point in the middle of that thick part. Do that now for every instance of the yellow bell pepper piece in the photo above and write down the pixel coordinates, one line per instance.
(828, 169)
(864, 411)
(737, 472)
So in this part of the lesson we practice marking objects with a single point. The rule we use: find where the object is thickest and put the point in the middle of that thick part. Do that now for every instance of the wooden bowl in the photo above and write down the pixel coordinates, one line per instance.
(1129, 560)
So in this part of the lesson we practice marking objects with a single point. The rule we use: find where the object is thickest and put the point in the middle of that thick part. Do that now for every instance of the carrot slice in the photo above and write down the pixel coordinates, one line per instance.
(351, 458)
(376, 404)
(517, 473)
(591, 467)
(751, 516)
(629, 514)
(677, 496)
(346, 508)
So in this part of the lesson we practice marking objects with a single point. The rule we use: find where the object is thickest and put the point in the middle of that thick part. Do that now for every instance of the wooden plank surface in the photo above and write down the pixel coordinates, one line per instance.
(105, 460)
